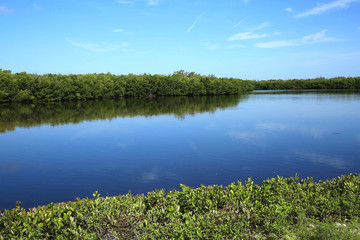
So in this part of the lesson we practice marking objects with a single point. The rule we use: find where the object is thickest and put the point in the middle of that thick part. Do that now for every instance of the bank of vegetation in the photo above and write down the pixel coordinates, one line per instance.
(316, 83)
(20, 87)
(279, 208)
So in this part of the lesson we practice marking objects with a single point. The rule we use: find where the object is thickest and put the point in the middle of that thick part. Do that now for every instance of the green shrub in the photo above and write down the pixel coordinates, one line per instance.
(281, 208)
(20, 87)
(317, 83)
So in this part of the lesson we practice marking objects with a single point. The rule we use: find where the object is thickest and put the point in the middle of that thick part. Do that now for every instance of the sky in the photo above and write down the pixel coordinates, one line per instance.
(247, 39)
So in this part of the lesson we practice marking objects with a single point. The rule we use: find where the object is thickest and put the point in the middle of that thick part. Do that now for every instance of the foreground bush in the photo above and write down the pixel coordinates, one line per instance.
(20, 87)
(287, 208)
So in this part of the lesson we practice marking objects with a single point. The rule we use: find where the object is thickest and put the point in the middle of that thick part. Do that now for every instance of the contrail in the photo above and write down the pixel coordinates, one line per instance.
(194, 23)
(237, 24)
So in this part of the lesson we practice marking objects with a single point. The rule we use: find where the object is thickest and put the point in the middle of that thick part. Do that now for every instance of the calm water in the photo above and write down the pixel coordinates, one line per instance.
(56, 152)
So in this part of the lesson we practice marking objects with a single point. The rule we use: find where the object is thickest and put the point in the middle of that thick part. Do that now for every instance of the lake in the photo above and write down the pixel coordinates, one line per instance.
(53, 152)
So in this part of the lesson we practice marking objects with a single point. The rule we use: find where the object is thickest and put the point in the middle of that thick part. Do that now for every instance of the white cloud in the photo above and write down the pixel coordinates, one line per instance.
(4, 9)
(117, 30)
(310, 39)
(194, 23)
(315, 36)
(289, 9)
(246, 36)
(153, 2)
(123, 2)
(326, 7)
(99, 48)
(261, 26)
(277, 44)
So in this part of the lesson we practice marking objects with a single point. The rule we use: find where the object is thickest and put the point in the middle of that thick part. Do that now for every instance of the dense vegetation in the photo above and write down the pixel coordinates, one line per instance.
(317, 83)
(55, 113)
(280, 208)
(19, 87)
(56, 87)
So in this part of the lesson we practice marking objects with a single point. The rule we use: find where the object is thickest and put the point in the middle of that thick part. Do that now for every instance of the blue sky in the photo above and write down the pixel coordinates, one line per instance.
(248, 39)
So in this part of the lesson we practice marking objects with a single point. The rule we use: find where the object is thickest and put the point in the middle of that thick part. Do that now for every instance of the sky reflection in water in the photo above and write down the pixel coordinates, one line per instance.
(56, 152)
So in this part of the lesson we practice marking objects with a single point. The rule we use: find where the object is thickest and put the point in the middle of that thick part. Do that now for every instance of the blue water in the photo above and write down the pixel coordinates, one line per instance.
(57, 152)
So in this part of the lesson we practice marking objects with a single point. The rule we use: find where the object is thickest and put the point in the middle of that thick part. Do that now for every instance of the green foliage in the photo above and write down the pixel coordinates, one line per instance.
(24, 87)
(317, 83)
(329, 231)
(21, 87)
(281, 208)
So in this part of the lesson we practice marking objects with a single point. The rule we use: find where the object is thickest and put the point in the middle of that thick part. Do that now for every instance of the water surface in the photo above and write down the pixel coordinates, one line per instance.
(52, 152)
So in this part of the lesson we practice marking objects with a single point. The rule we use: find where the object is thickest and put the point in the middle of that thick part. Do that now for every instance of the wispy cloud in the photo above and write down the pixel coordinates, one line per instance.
(153, 2)
(216, 46)
(245, 1)
(316, 36)
(118, 30)
(261, 26)
(235, 46)
(99, 48)
(326, 7)
(238, 23)
(246, 36)
(277, 44)
(4, 9)
(194, 23)
(123, 2)
(289, 9)
(249, 34)
(212, 46)
(310, 39)
(37, 7)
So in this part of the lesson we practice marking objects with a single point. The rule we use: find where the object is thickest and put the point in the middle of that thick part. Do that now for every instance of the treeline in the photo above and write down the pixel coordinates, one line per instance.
(21, 87)
(317, 83)
(56, 113)
(25, 87)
